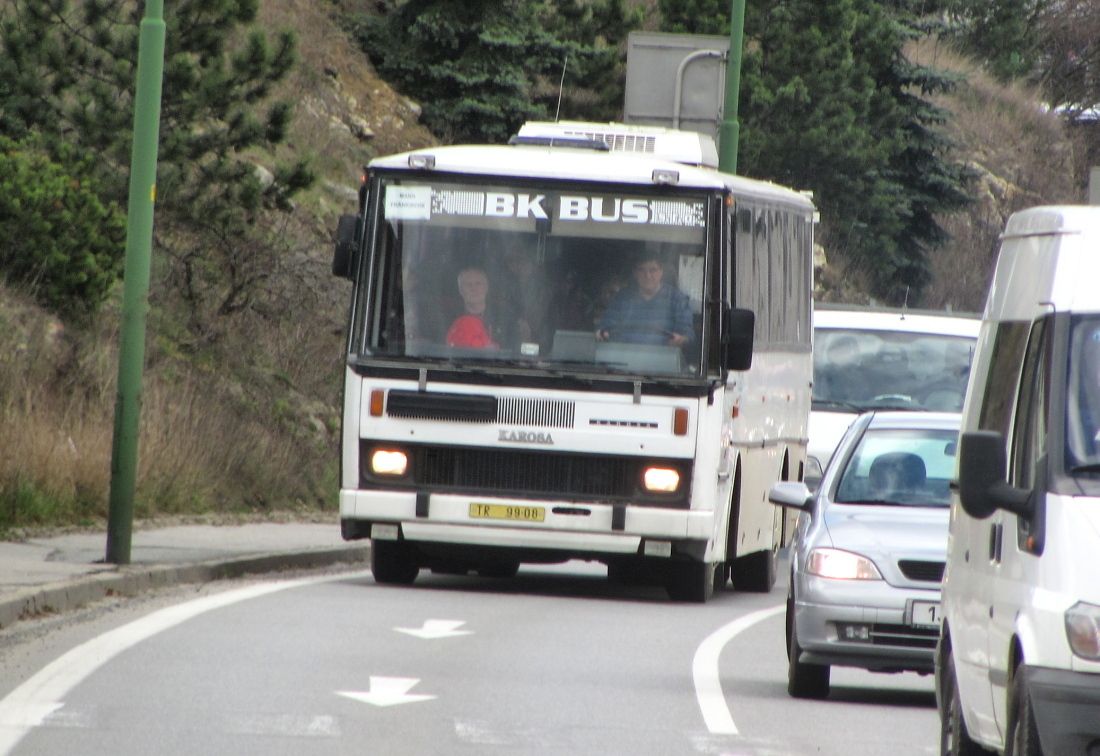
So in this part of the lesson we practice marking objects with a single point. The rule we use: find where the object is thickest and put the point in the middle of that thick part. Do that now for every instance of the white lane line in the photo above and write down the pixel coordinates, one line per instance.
(31, 703)
(704, 671)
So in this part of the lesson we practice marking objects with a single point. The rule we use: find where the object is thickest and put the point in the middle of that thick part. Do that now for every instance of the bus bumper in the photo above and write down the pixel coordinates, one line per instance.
(566, 525)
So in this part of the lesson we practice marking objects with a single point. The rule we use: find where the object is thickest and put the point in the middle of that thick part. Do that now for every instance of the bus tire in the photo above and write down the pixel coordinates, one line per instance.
(504, 569)
(756, 572)
(690, 581)
(393, 563)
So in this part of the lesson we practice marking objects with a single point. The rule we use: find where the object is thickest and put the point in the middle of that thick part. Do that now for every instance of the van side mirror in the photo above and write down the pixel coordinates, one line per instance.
(738, 325)
(983, 477)
(345, 255)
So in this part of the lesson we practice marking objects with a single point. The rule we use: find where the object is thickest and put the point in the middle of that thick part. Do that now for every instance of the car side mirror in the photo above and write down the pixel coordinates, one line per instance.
(345, 255)
(738, 325)
(791, 493)
(983, 477)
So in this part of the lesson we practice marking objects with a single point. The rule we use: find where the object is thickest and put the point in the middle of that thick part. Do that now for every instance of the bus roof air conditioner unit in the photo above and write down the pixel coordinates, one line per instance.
(688, 147)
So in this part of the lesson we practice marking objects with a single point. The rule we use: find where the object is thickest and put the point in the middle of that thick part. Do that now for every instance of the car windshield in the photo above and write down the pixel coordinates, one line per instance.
(550, 276)
(1083, 398)
(909, 467)
(866, 369)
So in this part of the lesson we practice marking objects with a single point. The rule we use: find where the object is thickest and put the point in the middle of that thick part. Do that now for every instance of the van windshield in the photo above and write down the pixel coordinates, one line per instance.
(857, 370)
(1083, 397)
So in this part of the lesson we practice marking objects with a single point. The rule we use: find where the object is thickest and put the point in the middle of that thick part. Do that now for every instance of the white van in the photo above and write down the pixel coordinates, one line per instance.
(1018, 662)
(869, 358)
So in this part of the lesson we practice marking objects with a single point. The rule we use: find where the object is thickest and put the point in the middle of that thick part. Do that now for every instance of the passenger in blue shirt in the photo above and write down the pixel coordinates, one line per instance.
(651, 312)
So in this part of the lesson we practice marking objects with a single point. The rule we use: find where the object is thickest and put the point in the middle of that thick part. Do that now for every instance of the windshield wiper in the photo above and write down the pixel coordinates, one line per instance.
(1092, 467)
(881, 502)
(837, 404)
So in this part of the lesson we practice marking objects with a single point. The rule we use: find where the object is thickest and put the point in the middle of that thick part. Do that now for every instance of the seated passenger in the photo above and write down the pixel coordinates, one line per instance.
(479, 325)
(650, 312)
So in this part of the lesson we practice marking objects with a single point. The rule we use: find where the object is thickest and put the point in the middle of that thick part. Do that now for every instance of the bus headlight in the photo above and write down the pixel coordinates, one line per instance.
(1083, 630)
(841, 565)
(389, 462)
(661, 479)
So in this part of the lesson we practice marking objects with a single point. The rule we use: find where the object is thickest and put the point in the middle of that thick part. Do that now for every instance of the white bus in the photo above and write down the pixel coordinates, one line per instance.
(585, 344)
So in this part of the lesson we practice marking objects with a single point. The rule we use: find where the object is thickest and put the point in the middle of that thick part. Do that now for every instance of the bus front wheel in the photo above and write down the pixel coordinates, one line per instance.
(393, 563)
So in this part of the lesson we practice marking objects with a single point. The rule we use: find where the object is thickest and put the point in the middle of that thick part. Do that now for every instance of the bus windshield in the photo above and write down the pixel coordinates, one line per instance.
(556, 276)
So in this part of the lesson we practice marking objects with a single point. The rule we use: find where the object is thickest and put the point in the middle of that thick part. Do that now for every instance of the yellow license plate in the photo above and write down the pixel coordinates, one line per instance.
(507, 512)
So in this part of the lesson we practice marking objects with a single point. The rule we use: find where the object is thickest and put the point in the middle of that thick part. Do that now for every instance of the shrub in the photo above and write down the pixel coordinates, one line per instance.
(62, 240)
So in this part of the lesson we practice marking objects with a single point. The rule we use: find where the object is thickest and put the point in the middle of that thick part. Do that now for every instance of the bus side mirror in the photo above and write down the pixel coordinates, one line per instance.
(345, 256)
(737, 329)
(983, 481)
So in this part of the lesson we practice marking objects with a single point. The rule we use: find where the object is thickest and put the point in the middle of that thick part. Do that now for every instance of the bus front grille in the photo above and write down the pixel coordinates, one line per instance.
(528, 474)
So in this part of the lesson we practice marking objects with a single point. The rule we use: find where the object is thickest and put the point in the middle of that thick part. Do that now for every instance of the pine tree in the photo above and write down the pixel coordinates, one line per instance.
(481, 68)
(68, 73)
(829, 103)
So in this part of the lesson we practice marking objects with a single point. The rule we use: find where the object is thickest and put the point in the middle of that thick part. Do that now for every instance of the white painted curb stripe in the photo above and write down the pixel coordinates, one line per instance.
(704, 670)
(28, 705)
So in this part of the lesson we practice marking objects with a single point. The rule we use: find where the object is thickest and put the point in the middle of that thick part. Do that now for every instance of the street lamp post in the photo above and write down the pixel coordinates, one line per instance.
(730, 130)
(139, 241)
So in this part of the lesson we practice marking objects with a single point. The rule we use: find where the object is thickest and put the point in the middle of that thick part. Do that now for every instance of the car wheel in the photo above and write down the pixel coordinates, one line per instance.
(954, 739)
(1023, 734)
(690, 581)
(804, 680)
(393, 563)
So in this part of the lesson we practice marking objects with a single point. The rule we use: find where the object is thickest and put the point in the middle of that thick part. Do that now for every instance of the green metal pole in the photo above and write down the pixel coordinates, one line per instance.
(730, 130)
(139, 242)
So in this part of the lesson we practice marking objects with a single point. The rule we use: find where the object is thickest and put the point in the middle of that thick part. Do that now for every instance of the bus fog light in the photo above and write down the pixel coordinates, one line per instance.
(661, 479)
(657, 548)
(1083, 630)
(388, 462)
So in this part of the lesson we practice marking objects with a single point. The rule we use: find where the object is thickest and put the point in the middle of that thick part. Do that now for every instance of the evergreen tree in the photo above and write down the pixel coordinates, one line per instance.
(481, 68)
(1002, 33)
(68, 73)
(829, 103)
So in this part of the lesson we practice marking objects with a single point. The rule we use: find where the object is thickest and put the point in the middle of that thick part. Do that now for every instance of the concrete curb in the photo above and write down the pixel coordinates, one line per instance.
(130, 580)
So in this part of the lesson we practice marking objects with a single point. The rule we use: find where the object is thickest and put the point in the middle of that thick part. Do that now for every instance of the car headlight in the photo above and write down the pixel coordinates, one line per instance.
(841, 565)
(1083, 630)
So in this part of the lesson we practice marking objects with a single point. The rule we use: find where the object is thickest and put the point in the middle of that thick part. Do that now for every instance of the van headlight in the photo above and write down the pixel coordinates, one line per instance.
(1083, 630)
(841, 565)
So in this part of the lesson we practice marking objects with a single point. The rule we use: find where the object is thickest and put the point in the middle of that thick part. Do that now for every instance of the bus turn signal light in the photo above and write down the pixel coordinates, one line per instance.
(377, 402)
(680, 421)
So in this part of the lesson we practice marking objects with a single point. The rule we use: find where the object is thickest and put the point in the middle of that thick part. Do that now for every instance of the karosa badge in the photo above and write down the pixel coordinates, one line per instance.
(524, 437)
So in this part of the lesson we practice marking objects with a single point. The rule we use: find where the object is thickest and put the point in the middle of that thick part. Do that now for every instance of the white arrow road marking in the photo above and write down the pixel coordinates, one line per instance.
(436, 628)
(704, 671)
(387, 691)
(32, 702)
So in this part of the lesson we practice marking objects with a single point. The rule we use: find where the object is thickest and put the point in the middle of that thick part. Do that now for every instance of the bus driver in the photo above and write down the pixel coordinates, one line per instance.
(650, 312)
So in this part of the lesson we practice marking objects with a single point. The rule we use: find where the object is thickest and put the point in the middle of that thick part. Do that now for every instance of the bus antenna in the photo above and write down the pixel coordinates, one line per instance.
(561, 85)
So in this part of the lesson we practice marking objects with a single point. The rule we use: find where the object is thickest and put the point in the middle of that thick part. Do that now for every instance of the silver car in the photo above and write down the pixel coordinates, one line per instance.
(868, 553)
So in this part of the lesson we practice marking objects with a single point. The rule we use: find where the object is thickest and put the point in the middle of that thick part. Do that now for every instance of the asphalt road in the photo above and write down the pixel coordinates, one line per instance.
(555, 661)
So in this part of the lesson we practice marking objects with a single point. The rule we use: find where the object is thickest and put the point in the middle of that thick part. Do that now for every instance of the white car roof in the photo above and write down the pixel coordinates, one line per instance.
(912, 321)
(908, 420)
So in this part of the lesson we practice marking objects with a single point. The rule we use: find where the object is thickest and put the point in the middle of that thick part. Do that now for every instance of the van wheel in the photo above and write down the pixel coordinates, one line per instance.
(804, 680)
(1023, 733)
(690, 581)
(393, 563)
(954, 739)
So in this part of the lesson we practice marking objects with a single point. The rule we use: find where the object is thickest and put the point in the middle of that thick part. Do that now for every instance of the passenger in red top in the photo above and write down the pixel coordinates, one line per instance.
(470, 329)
